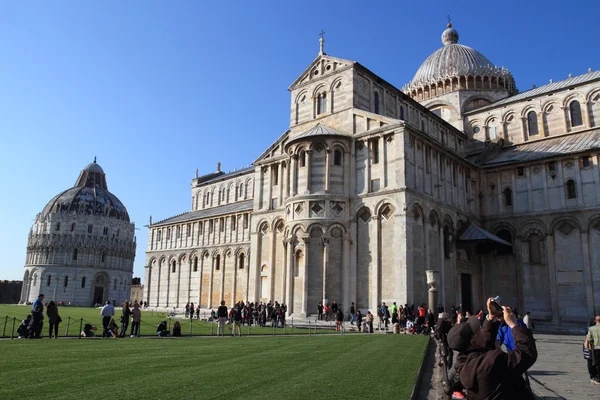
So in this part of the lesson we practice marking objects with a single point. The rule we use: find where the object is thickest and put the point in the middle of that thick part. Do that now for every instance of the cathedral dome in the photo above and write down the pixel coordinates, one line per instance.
(458, 62)
(89, 196)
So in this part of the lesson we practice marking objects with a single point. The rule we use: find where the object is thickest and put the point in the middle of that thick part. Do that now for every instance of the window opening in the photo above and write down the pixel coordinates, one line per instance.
(532, 124)
(575, 111)
(508, 200)
(571, 189)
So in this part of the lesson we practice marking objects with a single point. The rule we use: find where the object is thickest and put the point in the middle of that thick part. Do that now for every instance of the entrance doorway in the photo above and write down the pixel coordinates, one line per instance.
(98, 295)
(466, 286)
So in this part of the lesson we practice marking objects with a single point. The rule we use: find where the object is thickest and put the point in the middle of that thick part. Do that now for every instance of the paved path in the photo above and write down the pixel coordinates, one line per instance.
(560, 371)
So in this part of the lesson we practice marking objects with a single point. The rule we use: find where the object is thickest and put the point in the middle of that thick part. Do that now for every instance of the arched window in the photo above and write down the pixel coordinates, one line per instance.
(75, 255)
(337, 157)
(321, 103)
(66, 281)
(298, 264)
(83, 282)
(535, 250)
(242, 258)
(174, 266)
(58, 226)
(103, 257)
(571, 190)
(195, 264)
(446, 242)
(507, 237)
(376, 102)
(302, 158)
(218, 262)
(575, 113)
(532, 123)
(49, 280)
(507, 195)
(402, 113)
(207, 198)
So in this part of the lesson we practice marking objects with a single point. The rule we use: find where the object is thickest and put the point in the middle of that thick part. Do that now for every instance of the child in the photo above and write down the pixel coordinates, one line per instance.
(113, 329)
(23, 329)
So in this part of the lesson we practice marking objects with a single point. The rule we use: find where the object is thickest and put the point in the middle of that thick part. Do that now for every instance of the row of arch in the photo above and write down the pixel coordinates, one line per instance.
(224, 193)
(421, 92)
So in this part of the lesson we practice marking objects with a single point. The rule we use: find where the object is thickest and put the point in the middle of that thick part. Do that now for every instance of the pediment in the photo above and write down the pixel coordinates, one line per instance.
(323, 65)
(274, 150)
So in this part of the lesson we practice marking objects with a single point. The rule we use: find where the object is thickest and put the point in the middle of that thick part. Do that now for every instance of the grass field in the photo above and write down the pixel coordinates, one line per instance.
(293, 367)
(148, 326)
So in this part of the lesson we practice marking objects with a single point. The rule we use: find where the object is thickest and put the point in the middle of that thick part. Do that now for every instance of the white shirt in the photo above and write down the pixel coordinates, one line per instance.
(107, 311)
(527, 321)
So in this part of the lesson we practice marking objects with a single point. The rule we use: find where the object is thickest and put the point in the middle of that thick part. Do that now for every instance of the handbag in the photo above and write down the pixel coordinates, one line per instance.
(587, 353)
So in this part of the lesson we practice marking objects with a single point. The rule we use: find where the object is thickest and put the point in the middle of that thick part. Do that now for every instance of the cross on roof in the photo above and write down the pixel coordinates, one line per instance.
(322, 34)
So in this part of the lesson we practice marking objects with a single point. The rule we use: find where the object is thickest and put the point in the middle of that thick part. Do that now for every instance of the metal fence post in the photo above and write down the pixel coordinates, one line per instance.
(292, 327)
(211, 327)
(80, 327)
(12, 334)
(191, 321)
(309, 331)
(5, 323)
(68, 323)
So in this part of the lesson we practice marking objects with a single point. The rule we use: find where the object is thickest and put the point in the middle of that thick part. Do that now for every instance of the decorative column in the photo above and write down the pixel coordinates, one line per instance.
(222, 285)
(327, 161)
(284, 270)
(157, 287)
(346, 171)
(587, 273)
(308, 169)
(200, 281)
(178, 281)
(293, 185)
(235, 268)
(367, 174)
(586, 114)
(384, 166)
(346, 272)
(149, 275)
(325, 259)
(281, 180)
(306, 240)
(269, 170)
(210, 282)
(524, 128)
(374, 249)
(289, 245)
(552, 275)
(433, 278)
(565, 124)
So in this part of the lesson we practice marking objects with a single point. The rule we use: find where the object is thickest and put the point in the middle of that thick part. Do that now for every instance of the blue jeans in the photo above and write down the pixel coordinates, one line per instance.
(124, 326)
(352, 318)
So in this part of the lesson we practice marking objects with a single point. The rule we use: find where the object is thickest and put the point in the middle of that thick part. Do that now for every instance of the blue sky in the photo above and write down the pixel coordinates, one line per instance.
(158, 89)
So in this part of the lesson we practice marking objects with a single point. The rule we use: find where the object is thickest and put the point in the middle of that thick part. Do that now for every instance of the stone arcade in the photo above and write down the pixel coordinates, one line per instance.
(457, 174)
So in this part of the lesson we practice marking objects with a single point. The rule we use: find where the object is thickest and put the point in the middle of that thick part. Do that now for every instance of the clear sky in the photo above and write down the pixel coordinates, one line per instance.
(158, 89)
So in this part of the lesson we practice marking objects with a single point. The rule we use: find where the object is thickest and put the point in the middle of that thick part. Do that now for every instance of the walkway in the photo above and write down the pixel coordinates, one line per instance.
(560, 371)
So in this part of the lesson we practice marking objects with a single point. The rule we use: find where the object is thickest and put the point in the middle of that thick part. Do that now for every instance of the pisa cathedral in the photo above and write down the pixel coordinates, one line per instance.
(458, 179)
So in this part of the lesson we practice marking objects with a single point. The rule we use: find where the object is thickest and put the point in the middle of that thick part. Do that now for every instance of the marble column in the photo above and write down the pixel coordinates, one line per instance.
(201, 259)
(325, 261)
(327, 161)
(210, 282)
(289, 293)
(308, 170)
(293, 185)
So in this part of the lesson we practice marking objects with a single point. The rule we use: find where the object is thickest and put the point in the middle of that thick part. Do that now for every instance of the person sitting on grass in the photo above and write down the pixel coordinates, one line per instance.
(88, 331)
(177, 329)
(23, 329)
(113, 329)
(161, 329)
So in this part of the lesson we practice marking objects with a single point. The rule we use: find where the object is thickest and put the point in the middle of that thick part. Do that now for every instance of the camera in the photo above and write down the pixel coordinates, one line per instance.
(496, 307)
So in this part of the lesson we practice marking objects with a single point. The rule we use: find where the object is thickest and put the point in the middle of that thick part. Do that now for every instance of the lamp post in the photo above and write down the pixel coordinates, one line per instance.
(432, 280)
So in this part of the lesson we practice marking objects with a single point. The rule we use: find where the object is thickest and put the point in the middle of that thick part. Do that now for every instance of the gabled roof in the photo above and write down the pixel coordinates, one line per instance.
(265, 153)
(547, 148)
(227, 175)
(473, 233)
(240, 206)
(538, 91)
(305, 76)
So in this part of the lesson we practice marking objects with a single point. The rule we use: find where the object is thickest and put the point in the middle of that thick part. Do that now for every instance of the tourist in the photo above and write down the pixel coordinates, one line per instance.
(402, 316)
(23, 329)
(53, 319)
(485, 371)
(237, 320)
(352, 314)
(125, 314)
(592, 343)
(187, 310)
(136, 317)
(421, 320)
(339, 319)
(358, 319)
(107, 313)
(326, 310)
(177, 329)
(198, 312)
(527, 321)
(222, 315)
(112, 329)
(386, 316)
(430, 321)
(334, 308)
(161, 329)
(320, 311)
(37, 317)
(369, 322)
(192, 308)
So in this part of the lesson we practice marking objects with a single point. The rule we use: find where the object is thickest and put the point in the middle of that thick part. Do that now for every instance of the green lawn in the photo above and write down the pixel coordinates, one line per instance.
(148, 326)
(298, 367)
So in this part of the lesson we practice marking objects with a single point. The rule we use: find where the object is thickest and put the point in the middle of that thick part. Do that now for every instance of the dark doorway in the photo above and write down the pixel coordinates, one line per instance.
(98, 295)
(466, 286)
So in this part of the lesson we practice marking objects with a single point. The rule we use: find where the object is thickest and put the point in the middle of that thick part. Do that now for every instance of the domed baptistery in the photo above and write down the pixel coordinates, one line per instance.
(82, 246)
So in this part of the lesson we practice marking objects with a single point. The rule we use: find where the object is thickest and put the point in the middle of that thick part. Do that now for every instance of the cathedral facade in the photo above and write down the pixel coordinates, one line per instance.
(457, 180)
(81, 246)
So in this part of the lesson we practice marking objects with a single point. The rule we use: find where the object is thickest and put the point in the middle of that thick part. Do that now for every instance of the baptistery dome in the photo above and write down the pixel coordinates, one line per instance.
(81, 247)
(454, 67)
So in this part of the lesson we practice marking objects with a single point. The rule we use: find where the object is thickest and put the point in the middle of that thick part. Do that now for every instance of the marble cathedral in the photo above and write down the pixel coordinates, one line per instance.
(458, 179)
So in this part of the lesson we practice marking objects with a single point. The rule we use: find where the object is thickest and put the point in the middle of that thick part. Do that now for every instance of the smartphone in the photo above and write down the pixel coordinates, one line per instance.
(496, 308)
